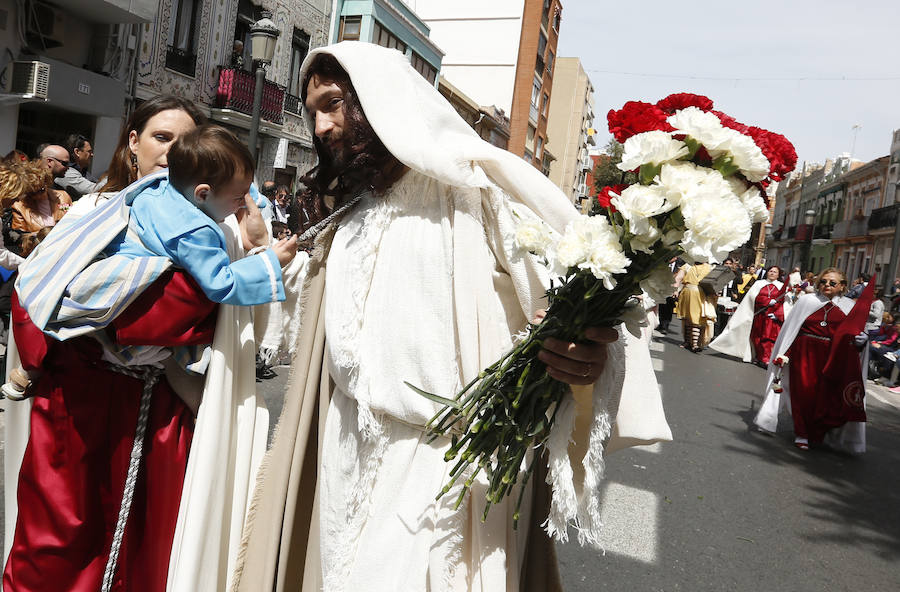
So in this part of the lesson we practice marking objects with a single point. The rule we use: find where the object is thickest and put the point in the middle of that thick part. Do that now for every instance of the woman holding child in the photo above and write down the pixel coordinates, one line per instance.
(84, 413)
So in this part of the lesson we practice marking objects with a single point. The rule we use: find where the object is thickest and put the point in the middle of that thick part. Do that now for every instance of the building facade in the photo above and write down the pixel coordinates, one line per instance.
(188, 51)
(862, 240)
(390, 23)
(570, 129)
(154, 47)
(502, 53)
(489, 123)
(81, 55)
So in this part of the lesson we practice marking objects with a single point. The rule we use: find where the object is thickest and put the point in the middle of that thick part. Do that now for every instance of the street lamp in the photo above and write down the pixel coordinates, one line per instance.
(263, 35)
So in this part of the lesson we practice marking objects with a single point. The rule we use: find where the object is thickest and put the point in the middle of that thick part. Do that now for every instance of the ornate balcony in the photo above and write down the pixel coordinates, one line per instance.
(292, 104)
(850, 228)
(884, 217)
(822, 231)
(236, 92)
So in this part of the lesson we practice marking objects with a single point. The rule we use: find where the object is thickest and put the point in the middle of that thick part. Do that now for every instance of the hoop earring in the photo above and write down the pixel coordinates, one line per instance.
(133, 160)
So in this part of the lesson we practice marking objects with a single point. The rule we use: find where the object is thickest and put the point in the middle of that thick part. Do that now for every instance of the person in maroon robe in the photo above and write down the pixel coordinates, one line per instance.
(768, 316)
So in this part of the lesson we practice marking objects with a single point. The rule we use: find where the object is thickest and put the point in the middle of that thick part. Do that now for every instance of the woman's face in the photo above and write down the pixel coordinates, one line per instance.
(151, 146)
(825, 285)
(772, 274)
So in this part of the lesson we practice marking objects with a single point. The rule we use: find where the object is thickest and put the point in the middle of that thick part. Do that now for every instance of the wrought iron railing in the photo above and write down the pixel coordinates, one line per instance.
(884, 217)
(235, 91)
(292, 104)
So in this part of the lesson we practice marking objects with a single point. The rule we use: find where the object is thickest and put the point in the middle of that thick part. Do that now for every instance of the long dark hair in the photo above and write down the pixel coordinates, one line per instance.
(122, 170)
(369, 164)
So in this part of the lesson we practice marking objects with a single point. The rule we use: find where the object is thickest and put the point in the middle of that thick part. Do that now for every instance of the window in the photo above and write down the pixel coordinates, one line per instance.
(542, 44)
(536, 92)
(556, 18)
(545, 106)
(350, 27)
(421, 66)
(550, 58)
(299, 49)
(385, 38)
(539, 148)
(181, 50)
(529, 137)
(528, 156)
(545, 13)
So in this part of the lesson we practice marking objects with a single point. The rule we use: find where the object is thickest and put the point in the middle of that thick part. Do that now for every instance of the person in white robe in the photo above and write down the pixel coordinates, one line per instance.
(422, 283)
(850, 437)
(735, 338)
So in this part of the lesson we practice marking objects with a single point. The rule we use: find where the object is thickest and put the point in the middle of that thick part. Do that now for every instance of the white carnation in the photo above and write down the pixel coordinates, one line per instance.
(702, 126)
(745, 155)
(660, 284)
(751, 198)
(716, 224)
(656, 147)
(589, 242)
(647, 238)
(532, 235)
(684, 181)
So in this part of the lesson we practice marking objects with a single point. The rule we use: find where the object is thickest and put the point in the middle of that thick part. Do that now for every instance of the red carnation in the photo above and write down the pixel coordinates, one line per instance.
(676, 101)
(605, 199)
(780, 152)
(730, 122)
(636, 118)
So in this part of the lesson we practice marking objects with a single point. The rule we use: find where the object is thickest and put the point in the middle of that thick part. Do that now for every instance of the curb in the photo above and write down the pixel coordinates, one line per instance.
(883, 394)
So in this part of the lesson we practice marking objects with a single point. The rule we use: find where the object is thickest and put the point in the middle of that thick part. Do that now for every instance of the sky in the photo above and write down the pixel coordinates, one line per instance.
(810, 70)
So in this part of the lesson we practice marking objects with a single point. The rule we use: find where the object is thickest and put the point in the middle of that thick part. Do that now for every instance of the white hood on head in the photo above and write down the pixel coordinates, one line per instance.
(423, 131)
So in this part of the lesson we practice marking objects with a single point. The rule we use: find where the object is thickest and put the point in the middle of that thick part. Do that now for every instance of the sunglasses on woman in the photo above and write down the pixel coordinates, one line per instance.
(831, 283)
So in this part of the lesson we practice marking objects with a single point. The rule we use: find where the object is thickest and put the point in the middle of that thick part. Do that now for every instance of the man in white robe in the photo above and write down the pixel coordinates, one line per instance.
(422, 284)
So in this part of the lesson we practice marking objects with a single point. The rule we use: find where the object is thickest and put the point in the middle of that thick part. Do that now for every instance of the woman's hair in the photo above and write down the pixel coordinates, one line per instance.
(23, 181)
(15, 157)
(369, 164)
(780, 271)
(837, 272)
(122, 170)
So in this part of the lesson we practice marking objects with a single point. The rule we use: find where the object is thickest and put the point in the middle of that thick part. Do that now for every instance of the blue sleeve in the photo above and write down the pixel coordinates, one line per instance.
(248, 281)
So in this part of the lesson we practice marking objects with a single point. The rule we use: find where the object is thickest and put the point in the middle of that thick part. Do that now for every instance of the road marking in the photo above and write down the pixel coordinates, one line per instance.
(657, 346)
(630, 525)
(658, 364)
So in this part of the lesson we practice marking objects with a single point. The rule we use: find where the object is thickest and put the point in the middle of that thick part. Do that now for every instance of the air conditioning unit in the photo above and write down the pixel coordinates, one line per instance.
(45, 26)
(30, 79)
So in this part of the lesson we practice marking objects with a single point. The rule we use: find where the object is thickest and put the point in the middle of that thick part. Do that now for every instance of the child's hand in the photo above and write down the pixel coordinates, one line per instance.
(285, 249)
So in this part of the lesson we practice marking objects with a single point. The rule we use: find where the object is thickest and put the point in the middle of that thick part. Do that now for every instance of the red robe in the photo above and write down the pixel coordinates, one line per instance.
(820, 403)
(764, 331)
(83, 420)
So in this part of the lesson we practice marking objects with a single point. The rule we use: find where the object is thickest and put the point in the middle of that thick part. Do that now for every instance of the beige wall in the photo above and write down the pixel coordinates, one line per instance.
(570, 115)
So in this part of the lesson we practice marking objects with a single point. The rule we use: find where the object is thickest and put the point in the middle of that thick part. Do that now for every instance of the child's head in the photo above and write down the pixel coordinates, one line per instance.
(212, 169)
(33, 239)
(280, 230)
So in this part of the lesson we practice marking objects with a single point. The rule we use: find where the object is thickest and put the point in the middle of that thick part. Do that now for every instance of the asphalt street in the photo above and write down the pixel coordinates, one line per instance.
(725, 508)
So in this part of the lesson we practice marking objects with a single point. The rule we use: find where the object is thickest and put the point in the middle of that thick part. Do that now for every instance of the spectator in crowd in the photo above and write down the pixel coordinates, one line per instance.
(895, 288)
(668, 307)
(76, 180)
(268, 190)
(883, 345)
(56, 158)
(237, 54)
(809, 283)
(280, 204)
(795, 279)
(876, 311)
(858, 284)
(37, 204)
(747, 279)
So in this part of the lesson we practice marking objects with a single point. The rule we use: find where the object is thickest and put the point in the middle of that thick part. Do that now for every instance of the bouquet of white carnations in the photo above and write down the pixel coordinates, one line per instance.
(701, 183)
